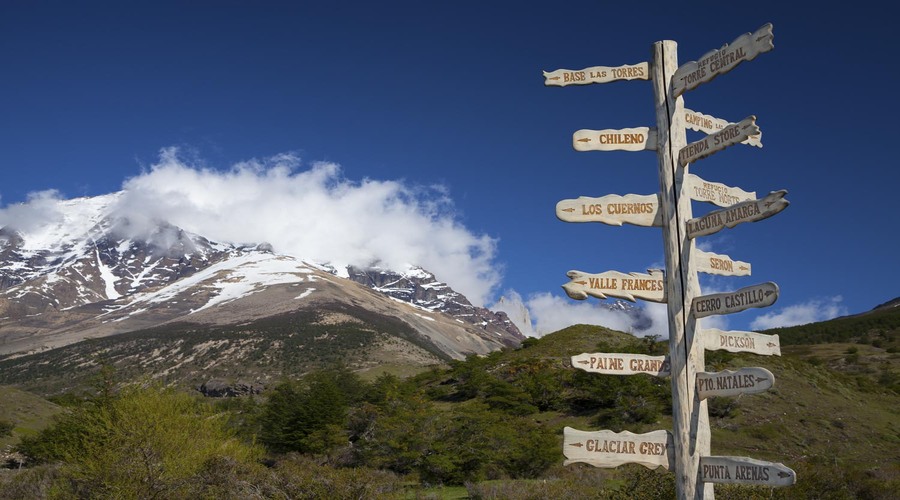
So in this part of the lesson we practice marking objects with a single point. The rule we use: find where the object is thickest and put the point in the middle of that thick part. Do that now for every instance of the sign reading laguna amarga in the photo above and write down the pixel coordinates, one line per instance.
(736, 341)
(715, 193)
(723, 265)
(612, 209)
(718, 62)
(734, 383)
(762, 295)
(622, 363)
(741, 470)
(710, 125)
(597, 74)
(612, 449)
(729, 136)
(747, 211)
(626, 139)
(615, 284)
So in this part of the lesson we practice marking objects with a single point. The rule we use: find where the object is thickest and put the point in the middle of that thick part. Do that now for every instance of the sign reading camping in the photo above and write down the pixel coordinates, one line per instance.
(597, 74)
(710, 125)
(612, 209)
(612, 449)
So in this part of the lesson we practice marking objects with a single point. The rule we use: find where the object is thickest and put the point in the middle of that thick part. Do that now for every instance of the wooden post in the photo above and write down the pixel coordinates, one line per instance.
(691, 420)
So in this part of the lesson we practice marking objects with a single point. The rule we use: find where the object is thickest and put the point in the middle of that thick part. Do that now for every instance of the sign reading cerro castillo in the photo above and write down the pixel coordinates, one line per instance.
(622, 363)
(747, 211)
(741, 470)
(597, 74)
(717, 62)
(715, 193)
(710, 125)
(612, 449)
(734, 383)
(762, 295)
(723, 265)
(612, 209)
(615, 284)
(729, 136)
(737, 341)
(626, 139)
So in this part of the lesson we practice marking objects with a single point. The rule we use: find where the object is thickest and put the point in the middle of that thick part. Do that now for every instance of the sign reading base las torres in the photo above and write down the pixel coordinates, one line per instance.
(612, 449)
(740, 470)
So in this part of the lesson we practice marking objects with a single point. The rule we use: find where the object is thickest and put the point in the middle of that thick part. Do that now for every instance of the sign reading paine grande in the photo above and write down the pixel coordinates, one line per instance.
(723, 265)
(612, 449)
(718, 62)
(715, 193)
(612, 209)
(741, 470)
(615, 284)
(762, 295)
(734, 383)
(736, 341)
(622, 363)
(710, 125)
(597, 74)
(729, 136)
(747, 211)
(626, 139)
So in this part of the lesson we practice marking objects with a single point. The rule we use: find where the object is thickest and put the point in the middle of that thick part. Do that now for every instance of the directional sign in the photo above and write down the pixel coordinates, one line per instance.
(723, 265)
(715, 193)
(615, 284)
(762, 295)
(612, 209)
(612, 449)
(713, 143)
(735, 341)
(734, 383)
(622, 363)
(597, 74)
(626, 139)
(718, 62)
(741, 470)
(747, 211)
(710, 125)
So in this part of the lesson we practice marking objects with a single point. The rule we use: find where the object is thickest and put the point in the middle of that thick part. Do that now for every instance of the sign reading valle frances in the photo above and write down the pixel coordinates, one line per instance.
(747, 211)
(762, 295)
(597, 74)
(710, 125)
(713, 143)
(622, 363)
(715, 193)
(737, 341)
(612, 449)
(718, 62)
(741, 470)
(723, 265)
(615, 284)
(612, 209)
(734, 383)
(626, 139)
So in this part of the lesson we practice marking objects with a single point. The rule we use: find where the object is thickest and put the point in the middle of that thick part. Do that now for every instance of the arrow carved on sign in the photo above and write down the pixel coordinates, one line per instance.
(584, 139)
(577, 445)
(567, 209)
(783, 474)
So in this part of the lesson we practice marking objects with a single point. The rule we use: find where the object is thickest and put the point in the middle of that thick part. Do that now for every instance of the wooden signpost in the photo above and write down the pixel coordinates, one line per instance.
(615, 284)
(686, 450)
(622, 363)
(612, 449)
(612, 209)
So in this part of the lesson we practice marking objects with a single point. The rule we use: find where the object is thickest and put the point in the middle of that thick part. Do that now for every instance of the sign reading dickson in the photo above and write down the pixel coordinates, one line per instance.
(612, 209)
(626, 139)
(736, 341)
(747, 211)
(723, 265)
(597, 74)
(729, 136)
(622, 363)
(714, 192)
(615, 284)
(762, 295)
(717, 62)
(710, 125)
(612, 449)
(741, 470)
(734, 383)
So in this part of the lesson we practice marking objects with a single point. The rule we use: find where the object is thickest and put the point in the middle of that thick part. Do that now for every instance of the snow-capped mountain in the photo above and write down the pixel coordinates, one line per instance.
(92, 273)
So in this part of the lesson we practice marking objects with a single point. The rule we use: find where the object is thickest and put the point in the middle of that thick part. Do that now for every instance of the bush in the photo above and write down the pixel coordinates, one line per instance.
(6, 428)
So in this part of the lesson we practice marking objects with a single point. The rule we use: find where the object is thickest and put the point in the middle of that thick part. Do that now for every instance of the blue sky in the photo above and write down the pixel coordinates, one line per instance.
(448, 99)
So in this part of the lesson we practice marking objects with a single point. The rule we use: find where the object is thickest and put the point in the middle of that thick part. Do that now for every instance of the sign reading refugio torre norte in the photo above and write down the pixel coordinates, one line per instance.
(685, 450)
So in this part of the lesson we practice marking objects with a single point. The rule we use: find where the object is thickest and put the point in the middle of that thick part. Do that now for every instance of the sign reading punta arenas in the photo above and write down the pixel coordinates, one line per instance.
(686, 450)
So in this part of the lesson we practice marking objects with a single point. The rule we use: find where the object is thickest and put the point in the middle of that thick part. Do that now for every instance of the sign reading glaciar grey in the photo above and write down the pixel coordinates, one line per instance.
(612, 449)
(741, 470)
(762, 295)
(748, 211)
(734, 383)
(612, 209)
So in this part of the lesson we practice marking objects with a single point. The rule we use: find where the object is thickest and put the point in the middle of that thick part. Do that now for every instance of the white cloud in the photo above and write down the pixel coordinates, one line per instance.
(801, 314)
